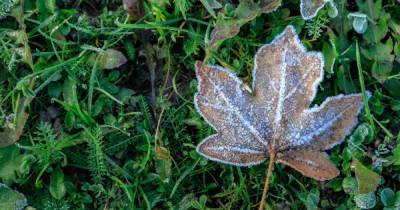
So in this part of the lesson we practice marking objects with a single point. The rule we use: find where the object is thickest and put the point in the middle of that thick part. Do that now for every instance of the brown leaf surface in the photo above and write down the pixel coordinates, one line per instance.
(274, 116)
(245, 12)
(268, 6)
(12, 133)
(310, 163)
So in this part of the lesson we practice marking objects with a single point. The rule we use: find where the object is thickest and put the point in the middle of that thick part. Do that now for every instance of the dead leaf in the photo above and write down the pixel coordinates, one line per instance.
(110, 59)
(13, 131)
(163, 163)
(224, 29)
(133, 8)
(310, 8)
(131, 5)
(244, 13)
(247, 11)
(268, 6)
(274, 116)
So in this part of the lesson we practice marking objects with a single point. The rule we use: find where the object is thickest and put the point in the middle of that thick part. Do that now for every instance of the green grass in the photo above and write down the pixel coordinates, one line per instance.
(101, 135)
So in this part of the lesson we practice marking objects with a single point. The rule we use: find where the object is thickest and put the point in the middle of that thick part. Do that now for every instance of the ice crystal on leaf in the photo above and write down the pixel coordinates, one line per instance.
(274, 115)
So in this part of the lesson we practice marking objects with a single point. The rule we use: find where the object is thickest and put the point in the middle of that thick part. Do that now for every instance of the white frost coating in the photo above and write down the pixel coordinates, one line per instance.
(223, 161)
(283, 68)
(303, 50)
(307, 161)
(317, 81)
(196, 104)
(282, 90)
(348, 130)
(198, 88)
(238, 114)
(321, 70)
(302, 3)
(326, 101)
(326, 125)
(297, 43)
(236, 149)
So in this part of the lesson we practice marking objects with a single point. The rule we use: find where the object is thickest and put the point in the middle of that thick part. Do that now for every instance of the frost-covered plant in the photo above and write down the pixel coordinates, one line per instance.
(5, 7)
(10, 199)
(359, 21)
(332, 9)
(309, 8)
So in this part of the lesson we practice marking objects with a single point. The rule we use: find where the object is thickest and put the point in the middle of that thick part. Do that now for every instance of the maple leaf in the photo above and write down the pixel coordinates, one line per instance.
(273, 118)
(310, 8)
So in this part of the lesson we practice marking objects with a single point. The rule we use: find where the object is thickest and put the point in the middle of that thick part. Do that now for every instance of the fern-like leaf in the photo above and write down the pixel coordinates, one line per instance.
(315, 26)
(45, 146)
(145, 110)
(96, 157)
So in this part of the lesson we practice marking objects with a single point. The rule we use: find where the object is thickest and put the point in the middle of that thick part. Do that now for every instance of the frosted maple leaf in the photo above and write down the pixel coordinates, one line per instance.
(273, 117)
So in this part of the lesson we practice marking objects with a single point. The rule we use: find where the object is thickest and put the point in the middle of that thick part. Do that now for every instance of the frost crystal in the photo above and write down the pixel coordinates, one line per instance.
(274, 116)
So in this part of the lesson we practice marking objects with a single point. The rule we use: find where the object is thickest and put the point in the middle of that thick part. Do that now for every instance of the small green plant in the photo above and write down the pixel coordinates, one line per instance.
(316, 26)
(96, 156)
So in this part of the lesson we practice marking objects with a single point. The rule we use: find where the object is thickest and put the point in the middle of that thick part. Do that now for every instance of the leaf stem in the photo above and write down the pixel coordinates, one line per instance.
(266, 184)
